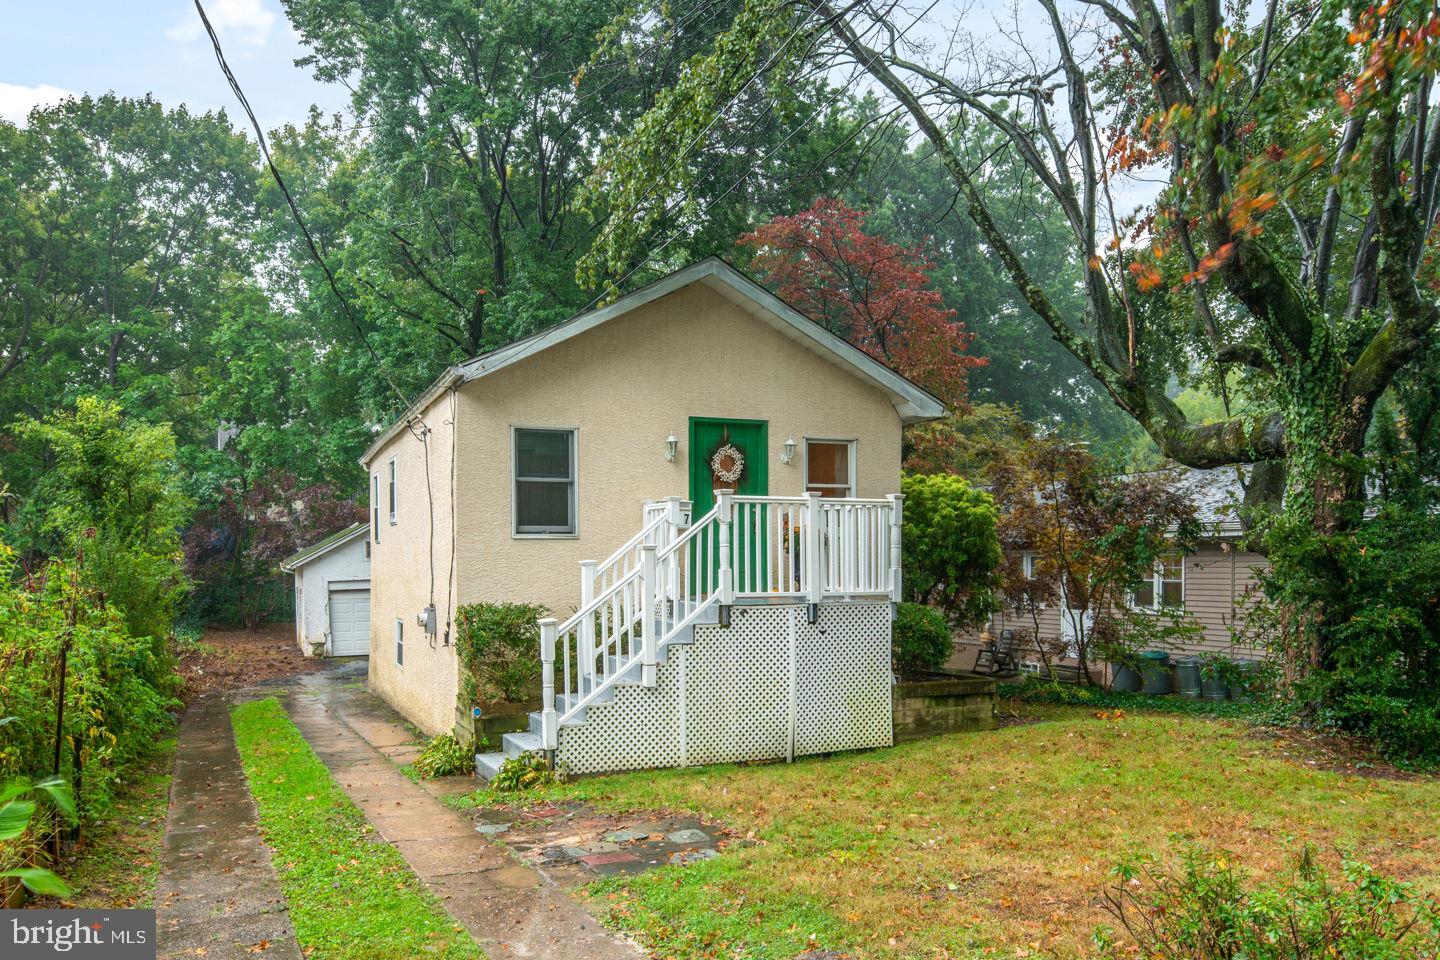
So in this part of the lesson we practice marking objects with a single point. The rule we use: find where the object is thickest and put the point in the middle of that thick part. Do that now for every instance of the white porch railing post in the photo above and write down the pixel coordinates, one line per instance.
(725, 578)
(649, 632)
(549, 729)
(897, 504)
(587, 626)
(814, 550)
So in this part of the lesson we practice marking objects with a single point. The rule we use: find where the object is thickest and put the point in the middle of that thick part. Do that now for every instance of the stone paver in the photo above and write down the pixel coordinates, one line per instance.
(217, 891)
(511, 909)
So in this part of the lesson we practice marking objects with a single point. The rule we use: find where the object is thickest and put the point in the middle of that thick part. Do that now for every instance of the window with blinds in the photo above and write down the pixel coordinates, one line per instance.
(545, 498)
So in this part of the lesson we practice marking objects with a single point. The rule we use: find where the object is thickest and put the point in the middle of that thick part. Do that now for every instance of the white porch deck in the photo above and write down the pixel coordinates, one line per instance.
(676, 575)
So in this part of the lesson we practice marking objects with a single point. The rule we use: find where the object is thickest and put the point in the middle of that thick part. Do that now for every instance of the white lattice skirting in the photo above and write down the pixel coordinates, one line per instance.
(770, 686)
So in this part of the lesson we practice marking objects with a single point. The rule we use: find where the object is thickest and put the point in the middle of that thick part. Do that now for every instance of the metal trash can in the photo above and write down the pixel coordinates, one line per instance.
(1155, 670)
(1187, 677)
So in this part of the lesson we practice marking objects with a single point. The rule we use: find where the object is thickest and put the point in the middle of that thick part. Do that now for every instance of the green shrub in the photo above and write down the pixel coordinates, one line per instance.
(922, 639)
(1378, 640)
(499, 649)
(119, 689)
(951, 553)
(525, 772)
(444, 756)
(1204, 911)
(113, 494)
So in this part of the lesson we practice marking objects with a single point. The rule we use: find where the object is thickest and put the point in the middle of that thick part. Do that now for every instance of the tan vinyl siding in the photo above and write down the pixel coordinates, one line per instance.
(1216, 580)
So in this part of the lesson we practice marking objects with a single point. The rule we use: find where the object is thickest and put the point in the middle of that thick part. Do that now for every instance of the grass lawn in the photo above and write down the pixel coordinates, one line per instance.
(351, 894)
(994, 842)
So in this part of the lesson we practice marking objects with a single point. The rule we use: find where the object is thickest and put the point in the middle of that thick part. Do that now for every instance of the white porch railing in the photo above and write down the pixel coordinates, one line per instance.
(745, 550)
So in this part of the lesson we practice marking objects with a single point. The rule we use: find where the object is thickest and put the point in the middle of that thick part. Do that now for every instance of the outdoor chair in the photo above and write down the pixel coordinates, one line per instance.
(1000, 656)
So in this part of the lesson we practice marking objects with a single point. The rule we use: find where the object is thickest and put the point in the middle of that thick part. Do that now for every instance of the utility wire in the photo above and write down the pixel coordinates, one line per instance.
(294, 207)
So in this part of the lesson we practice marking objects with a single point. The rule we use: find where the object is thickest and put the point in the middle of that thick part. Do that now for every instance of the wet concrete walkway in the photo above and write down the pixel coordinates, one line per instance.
(217, 894)
(511, 909)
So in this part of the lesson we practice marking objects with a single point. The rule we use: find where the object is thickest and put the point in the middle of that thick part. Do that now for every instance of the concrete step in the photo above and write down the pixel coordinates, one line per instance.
(487, 765)
(515, 744)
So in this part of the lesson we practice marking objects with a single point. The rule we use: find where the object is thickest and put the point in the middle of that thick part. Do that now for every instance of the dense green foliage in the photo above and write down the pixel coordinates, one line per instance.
(445, 756)
(19, 806)
(350, 895)
(498, 645)
(1380, 672)
(528, 771)
(920, 639)
(1038, 690)
(1204, 910)
(950, 552)
(111, 492)
(119, 688)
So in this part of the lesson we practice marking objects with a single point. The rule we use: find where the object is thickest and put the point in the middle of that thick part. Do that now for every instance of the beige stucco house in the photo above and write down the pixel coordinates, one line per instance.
(518, 473)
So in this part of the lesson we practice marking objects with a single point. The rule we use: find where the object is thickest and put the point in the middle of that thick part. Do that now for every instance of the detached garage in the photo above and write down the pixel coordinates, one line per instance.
(332, 595)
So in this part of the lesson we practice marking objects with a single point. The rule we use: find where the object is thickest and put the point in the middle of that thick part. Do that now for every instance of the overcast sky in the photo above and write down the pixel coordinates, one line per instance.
(49, 48)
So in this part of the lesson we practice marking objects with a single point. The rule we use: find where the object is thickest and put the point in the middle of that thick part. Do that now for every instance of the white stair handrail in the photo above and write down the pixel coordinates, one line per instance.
(805, 548)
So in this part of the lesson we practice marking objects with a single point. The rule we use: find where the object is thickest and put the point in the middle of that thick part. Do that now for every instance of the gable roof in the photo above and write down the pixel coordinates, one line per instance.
(913, 403)
(316, 550)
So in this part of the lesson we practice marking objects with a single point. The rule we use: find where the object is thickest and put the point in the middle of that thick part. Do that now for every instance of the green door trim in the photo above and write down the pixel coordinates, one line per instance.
(759, 473)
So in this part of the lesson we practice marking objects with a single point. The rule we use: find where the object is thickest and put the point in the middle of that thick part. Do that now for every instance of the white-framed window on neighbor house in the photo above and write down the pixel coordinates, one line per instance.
(375, 506)
(1027, 564)
(394, 491)
(399, 642)
(1165, 587)
(544, 495)
(830, 467)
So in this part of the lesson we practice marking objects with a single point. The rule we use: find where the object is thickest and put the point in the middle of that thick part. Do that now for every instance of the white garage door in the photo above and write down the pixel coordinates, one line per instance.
(349, 623)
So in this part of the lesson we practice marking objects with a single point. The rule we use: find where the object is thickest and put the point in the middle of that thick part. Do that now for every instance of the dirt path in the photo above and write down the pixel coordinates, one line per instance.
(217, 894)
(511, 909)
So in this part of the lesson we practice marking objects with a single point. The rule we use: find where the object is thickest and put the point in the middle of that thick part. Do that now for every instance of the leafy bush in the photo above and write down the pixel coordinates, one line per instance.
(119, 688)
(950, 549)
(17, 811)
(1377, 645)
(444, 756)
(1204, 911)
(921, 639)
(499, 649)
(113, 494)
(525, 772)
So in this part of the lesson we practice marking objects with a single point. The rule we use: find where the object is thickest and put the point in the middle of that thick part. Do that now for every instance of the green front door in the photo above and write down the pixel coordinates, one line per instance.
(707, 436)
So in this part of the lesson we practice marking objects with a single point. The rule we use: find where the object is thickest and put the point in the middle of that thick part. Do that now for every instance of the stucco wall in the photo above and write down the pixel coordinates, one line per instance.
(1216, 581)
(346, 562)
(409, 554)
(625, 386)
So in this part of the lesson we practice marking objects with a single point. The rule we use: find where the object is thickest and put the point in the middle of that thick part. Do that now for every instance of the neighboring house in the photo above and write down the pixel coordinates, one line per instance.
(1209, 585)
(332, 594)
(538, 473)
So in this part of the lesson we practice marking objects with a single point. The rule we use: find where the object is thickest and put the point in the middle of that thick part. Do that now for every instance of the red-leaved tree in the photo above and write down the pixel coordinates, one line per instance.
(874, 293)
(234, 548)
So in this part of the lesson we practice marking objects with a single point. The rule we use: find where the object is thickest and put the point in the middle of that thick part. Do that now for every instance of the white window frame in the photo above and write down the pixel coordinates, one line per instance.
(1157, 584)
(1027, 564)
(394, 489)
(399, 642)
(375, 506)
(849, 459)
(574, 531)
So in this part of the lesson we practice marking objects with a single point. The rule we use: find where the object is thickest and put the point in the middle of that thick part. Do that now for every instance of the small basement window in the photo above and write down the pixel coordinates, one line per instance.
(830, 467)
(544, 496)
(1165, 587)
